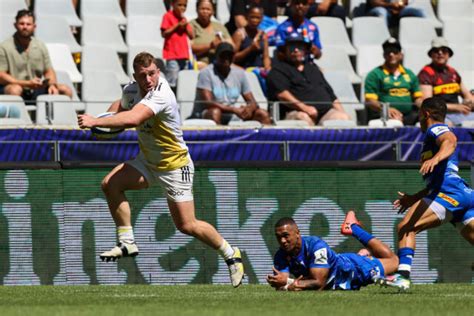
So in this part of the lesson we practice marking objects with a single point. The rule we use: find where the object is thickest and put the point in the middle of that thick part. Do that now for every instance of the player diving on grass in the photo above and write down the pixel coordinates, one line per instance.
(315, 266)
(446, 198)
(149, 104)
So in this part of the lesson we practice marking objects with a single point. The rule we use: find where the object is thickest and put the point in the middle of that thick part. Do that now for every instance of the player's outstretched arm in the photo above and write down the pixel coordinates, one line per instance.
(405, 201)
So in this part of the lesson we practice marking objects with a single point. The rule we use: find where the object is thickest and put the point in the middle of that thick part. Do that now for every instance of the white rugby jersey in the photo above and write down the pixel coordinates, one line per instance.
(160, 137)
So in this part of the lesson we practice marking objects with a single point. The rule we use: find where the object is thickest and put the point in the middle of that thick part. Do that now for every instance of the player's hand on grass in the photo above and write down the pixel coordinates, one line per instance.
(85, 121)
(277, 279)
(296, 286)
(429, 165)
(404, 202)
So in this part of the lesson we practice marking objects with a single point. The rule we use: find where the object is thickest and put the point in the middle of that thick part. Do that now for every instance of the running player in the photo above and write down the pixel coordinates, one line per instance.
(149, 104)
(317, 267)
(446, 198)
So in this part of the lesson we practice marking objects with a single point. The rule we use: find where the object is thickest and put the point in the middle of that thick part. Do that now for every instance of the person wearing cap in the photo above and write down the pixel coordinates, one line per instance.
(298, 24)
(301, 88)
(218, 89)
(394, 84)
(392, 11)
(440, 79)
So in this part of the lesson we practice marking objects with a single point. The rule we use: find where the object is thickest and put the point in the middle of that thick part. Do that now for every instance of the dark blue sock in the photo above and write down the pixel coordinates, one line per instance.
(406, 257)
(360, 234)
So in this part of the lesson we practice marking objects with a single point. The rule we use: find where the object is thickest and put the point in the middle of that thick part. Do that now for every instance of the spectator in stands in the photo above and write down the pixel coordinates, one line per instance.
(207, 34)
(176, 30)
(298, 24)
(218, 89)
(239, 10)
(392, 11)
(300, 86)
(252, 46)
(328, 8)
(440, 79)
(394, 84)
(25, 65)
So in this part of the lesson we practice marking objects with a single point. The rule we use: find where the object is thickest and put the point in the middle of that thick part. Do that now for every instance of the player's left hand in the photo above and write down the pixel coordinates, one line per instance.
(277, 279)
(429, 165)
(85, 121)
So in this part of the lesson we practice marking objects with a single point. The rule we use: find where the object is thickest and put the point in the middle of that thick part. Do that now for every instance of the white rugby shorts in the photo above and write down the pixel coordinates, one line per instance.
(177, 183)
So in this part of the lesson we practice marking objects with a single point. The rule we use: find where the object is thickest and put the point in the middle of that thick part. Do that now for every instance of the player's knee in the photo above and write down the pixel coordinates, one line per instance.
(106, 185)
(188, 228)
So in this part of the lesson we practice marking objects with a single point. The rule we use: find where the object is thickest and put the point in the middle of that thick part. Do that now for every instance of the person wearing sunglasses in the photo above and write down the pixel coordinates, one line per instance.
(440, 79)
(393, 84)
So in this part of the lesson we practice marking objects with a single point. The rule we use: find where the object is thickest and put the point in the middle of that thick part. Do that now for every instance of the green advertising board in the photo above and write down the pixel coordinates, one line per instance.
(54, 223)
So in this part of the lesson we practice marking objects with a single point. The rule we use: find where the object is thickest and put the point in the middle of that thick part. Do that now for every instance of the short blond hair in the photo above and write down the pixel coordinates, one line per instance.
(143, 59)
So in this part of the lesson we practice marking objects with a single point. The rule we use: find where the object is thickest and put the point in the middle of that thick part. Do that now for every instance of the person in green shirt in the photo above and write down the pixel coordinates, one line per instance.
(25, 65)
(393, 84)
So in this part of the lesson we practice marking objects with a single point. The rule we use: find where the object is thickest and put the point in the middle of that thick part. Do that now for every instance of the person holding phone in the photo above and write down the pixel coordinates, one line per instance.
(25, 65)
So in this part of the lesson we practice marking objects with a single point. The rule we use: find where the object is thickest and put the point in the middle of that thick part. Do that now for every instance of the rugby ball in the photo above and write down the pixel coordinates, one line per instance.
(106, 132)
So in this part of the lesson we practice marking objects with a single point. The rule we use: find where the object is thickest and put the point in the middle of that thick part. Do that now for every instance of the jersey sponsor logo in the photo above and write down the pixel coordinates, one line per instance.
(399, 92)
(321, 256)
(438, 130)
(448, 88)
(448, 199)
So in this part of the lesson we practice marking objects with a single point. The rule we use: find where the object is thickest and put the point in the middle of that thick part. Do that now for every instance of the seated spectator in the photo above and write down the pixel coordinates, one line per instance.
(207, 34)
(298, 24)
(394, 84)
(301, 87)
(328, 8)
(239, 10)
(176, 30)
(440, 79)
(25, 65)
(392, 11)
(218, 89)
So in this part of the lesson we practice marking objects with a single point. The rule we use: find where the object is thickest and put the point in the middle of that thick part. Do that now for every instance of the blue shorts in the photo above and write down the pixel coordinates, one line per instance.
(456, 197)
(355, 271)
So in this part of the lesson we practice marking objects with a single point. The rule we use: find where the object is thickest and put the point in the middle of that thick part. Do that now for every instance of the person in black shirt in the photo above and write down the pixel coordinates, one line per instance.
(301, 88)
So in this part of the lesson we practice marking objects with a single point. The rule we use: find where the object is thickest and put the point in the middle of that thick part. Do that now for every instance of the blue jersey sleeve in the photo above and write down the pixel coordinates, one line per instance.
(319, 255)
(280, 263)
(437, 130)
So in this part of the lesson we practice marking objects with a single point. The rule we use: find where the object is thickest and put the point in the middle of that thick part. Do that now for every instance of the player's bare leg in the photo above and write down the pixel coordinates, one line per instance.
(418, 218)
(468, 232)
(122, 178)
(183, 214)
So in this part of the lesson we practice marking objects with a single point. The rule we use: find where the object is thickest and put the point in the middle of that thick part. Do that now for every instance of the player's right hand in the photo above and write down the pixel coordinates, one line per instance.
(404, 202)
(85, 121)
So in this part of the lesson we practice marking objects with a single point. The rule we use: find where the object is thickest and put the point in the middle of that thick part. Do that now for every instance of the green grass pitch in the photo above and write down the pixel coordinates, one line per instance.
(435, 299)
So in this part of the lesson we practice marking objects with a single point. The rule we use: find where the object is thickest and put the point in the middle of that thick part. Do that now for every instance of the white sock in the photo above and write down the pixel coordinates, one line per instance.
(225, 250)
(125, 234)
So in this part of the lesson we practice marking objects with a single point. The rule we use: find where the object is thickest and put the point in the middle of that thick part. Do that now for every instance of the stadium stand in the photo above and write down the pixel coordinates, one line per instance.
(199, 122)
(133, 50)
(357, 8)
(459, 32)
(186, 91)
(334, 59)
(463, 62)
(223, 11)
(63, 77)
(62, 61)
(368, 34)
(102, 31)
(55, 110)
(428, 9)
(379, 123)
(247, 124)
(257, 90)
(99, 90)
(191, 12)
(24, 118)
(11, 7)
(103, 8)
(144, 7)
(63, 9)
(333, 34)
(135, 34)
(56, 30)
(455, 10)
(416, 32)
(6, 26)
(102, 58)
